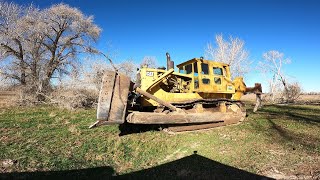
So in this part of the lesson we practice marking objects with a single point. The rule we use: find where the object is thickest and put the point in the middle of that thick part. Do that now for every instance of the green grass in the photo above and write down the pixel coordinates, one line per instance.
(46, 138)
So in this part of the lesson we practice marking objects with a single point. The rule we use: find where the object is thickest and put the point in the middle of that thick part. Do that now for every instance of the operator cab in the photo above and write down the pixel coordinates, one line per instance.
(208, 76)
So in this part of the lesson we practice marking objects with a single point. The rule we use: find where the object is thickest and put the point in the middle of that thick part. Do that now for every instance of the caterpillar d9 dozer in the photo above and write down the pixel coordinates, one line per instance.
(201, 95)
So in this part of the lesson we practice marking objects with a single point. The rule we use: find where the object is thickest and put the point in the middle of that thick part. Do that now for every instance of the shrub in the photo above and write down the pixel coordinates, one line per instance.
(293, 92)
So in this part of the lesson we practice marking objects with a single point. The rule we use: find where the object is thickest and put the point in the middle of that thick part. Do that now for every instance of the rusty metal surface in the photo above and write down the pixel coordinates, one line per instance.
(170, 64)
(105, 96)
(113, 98)
(119, 100)
(201, 126)
(175, 118)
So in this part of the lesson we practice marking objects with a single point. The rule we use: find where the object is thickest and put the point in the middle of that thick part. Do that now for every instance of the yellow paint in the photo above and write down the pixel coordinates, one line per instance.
(214, 84)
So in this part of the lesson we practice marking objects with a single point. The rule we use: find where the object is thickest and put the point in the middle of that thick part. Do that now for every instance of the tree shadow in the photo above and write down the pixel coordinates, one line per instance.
(294, 113)
(189, 167)
(277, 132)
(296, 138)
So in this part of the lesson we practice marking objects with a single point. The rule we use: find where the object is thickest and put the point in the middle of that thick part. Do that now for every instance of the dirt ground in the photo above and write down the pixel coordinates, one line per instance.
(8, 98)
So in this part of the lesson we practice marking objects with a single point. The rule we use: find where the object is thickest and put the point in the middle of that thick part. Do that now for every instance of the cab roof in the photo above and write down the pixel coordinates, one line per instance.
(201, 60)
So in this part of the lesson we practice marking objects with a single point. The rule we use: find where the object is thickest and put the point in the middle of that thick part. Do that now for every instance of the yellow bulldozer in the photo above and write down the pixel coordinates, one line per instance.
(200, 95)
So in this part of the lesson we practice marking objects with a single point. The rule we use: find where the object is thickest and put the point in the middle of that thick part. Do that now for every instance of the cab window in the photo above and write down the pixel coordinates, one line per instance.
(196, 83)
(217, 80)
(206, 81)
(204, 68)
(195, 69)
(181, 70)
(188, 68)
(217, 71)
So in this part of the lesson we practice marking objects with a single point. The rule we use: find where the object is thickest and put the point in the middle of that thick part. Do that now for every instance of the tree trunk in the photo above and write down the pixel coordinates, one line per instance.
(45, 85)
(23, 73)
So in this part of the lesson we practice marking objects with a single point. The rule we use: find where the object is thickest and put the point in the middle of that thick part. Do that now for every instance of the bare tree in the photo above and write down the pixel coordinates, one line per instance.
(43, 44)
(294, 91)
(14, 25)
(272, 68)
(68, 33)
(231, 52)
(149, 61)
(129, 68)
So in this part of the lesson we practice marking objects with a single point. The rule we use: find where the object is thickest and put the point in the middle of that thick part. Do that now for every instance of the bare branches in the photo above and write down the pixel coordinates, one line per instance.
(294, 91)
(129, 68)
(44, 43)
(149, 61)
(279, 87)
(231, 52)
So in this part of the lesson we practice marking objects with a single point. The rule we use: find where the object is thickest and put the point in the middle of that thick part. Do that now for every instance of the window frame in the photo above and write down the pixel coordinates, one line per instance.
(202, 72)
(191, 68)
(214, 72)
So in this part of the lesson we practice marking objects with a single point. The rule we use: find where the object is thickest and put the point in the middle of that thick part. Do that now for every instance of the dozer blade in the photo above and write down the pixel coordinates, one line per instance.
(113, 98)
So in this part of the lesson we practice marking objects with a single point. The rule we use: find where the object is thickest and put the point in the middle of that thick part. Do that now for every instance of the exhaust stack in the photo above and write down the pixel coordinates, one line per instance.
(170, 64)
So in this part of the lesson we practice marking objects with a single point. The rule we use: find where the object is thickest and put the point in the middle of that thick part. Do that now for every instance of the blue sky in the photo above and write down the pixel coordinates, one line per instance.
(183, 28)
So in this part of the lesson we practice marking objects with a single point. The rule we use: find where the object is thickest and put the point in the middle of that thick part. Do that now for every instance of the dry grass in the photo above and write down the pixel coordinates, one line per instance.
(8, 98)
(73, 98)
(309, 98)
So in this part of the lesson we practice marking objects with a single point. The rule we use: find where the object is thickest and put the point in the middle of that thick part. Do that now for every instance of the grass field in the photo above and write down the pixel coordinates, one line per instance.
(278, 141)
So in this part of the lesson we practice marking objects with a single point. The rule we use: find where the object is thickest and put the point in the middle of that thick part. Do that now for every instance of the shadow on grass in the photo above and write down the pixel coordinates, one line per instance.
(127, 128)
(294, 138)
(189, 167)
(295, 113)
(277, 116)
(90, 173)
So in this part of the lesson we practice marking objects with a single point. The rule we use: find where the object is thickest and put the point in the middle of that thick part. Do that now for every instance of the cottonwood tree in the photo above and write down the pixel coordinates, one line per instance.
(272, 67)
(14, 30)
(68, 33)
(232, 52)
(40, 45)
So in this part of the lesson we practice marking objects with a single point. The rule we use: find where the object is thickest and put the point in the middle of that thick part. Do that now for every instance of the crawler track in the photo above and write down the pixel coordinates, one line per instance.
(239, 116)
